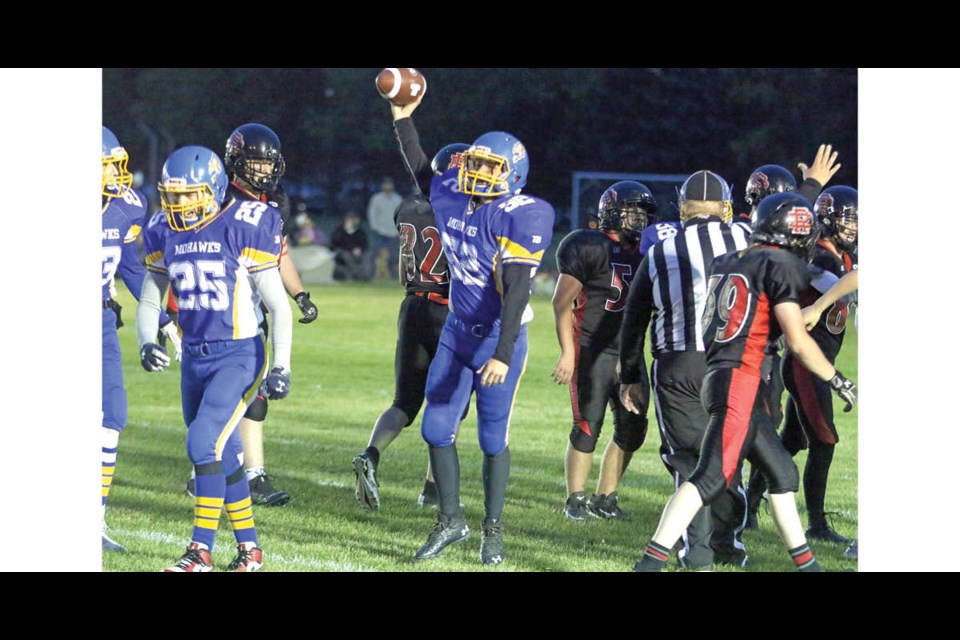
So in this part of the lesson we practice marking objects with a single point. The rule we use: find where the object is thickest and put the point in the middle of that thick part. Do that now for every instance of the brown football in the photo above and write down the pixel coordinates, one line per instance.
(401, 85)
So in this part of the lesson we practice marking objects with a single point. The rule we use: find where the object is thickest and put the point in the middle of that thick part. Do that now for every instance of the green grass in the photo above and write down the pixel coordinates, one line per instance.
(342, 380)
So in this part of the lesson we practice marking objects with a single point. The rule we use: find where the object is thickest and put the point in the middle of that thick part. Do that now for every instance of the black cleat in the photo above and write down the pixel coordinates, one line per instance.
(826, 534)
(576, 508)
(367, 491)
(262, 492)
(446, 532)
(491, 542)
(191, 487)
(852, 551)
(605, 506)
(429, 496)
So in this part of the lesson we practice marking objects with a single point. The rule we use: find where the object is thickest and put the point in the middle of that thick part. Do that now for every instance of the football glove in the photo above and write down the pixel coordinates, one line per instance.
(153, 357)
(307, 308)
(844, 388)
(276, 385)
(171, 333)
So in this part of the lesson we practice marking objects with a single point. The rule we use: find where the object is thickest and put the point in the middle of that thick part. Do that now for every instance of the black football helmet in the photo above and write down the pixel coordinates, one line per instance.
(770, 178)
(449, 157)
(786, 220)
(250, 144)
(627, 207)
(836, 210)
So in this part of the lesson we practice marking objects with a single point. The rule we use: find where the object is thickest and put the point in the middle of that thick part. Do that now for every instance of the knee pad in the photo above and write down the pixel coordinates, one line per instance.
(492, 444)
(201, 451)
(630, 435)
(583, 441)
(784, 480)
(437, 434)
(710, 486)
(257, 411)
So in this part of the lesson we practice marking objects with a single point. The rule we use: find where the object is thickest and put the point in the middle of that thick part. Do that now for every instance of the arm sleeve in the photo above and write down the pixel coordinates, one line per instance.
(810, 189)
(133, 273)
(636, 317)
(516, 294)
(274, 296)
(148, 311)
(414, 159)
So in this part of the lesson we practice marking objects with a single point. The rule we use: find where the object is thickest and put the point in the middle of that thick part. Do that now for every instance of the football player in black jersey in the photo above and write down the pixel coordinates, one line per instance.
(596, 267)
(808, 414)
(423, 312)
(754, 298)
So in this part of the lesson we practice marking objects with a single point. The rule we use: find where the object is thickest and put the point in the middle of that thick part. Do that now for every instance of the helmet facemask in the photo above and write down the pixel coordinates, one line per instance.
(262, 173)
(846, 225)
(483, 173)
(115, 180)
(187, 206)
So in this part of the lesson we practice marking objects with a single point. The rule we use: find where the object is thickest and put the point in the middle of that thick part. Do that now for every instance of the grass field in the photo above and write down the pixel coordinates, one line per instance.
(342, 380)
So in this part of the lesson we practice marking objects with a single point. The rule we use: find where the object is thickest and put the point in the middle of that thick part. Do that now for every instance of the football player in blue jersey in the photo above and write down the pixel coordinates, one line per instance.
(123, 218)
(221, 255)
(494, 238)
(255, 166)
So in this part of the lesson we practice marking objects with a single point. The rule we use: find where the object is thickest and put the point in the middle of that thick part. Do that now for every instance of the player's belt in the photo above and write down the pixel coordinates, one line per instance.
(432, 296)
(476, 330)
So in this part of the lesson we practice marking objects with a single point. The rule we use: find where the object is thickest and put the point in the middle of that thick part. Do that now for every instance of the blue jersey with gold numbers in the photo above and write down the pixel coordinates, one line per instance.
(122, 219)
(512, 229)
(210, 268)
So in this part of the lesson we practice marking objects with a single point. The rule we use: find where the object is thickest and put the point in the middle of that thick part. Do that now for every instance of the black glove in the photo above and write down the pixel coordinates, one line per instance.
(307, 308)
(276, 386)
(844, 388)
(153, 357)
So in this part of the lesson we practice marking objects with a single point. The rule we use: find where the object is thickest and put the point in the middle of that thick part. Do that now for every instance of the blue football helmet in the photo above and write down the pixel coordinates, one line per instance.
(197, 172)
(449, 157)
(113, 182)
(509, 161)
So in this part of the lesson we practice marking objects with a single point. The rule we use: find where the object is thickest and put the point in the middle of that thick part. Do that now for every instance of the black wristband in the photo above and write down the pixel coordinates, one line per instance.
(838, 380)
(302, 294)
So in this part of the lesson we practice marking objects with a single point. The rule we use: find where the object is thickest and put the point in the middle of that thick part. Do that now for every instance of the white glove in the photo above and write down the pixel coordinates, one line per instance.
(172, 333)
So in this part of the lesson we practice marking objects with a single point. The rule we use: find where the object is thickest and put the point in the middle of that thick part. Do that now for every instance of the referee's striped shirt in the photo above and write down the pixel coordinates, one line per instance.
(671, 286)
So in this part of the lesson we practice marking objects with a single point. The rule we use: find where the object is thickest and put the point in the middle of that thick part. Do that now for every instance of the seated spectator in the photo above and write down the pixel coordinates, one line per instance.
(306, 232)
(349, 244)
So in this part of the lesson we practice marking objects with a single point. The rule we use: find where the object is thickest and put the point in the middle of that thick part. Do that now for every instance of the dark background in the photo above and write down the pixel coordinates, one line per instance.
(338, 140)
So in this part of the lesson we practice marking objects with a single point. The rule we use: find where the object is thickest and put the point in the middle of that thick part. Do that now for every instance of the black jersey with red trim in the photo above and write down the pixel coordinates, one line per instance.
(739, 325)
(605, 268)
(826, 268)
(423, 265)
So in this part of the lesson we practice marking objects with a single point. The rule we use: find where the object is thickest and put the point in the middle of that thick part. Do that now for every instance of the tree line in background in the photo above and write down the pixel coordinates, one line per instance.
(337, 134)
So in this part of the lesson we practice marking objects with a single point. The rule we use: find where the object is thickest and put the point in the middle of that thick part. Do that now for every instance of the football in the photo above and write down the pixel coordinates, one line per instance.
(401, 85)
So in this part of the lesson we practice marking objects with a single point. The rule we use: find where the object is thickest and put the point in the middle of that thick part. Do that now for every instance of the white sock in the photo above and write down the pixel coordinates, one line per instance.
(253, 473)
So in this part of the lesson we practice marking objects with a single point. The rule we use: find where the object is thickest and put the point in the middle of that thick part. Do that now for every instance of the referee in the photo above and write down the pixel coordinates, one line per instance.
(670, 289)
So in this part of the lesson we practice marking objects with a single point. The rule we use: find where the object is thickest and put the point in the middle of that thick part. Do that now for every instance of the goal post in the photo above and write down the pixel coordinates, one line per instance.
(588, 186)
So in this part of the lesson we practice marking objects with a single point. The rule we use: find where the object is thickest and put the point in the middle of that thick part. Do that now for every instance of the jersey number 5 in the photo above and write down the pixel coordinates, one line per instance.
(619, 281)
